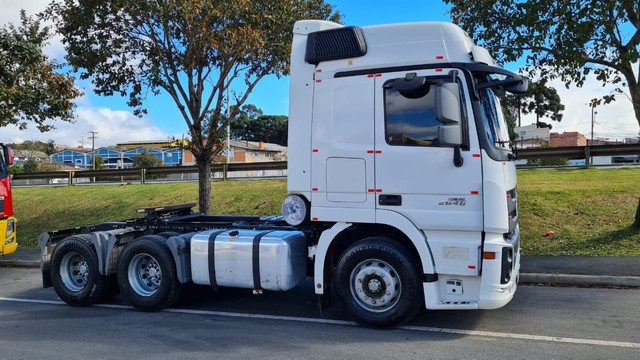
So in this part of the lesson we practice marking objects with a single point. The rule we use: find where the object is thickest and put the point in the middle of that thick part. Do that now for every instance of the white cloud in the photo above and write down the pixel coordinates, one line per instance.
(10, 13)
(614, 121)
(112, 127)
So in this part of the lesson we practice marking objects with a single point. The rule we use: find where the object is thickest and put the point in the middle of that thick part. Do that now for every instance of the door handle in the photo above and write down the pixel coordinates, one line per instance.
(390, 200)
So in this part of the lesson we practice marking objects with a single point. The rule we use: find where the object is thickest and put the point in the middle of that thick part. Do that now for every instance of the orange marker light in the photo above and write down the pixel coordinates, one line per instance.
(489, 255)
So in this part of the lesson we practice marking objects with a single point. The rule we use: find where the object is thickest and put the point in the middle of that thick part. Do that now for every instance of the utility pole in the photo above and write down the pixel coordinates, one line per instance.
(228, 126)
(593, 117)
(93, 138)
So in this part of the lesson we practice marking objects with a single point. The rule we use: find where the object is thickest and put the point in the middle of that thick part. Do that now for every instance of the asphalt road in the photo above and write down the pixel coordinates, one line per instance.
(540, 323)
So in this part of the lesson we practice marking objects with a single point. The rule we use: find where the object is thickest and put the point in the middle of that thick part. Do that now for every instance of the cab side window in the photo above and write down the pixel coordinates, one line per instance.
(410, 117)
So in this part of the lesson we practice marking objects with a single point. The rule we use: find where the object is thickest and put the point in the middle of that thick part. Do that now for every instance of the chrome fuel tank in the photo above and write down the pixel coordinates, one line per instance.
(252, 259)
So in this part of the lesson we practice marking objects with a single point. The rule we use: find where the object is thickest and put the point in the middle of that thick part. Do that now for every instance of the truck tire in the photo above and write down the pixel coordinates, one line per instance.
(147, 274)
(377, 283)
(74, 272)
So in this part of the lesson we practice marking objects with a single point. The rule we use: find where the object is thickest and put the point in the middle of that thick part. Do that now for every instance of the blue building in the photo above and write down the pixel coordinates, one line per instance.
(115, 159)
(78, 159)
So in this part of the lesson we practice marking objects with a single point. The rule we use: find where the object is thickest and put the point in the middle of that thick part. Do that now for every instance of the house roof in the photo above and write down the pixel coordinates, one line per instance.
(30, 154)
(255, 146)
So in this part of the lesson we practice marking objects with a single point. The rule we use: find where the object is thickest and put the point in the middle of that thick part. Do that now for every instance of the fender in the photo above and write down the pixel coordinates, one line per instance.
(417, 237)
(385, 217)
(321, 253)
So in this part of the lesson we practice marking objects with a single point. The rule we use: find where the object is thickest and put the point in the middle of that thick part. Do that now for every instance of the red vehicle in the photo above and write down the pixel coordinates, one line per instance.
(8, 243)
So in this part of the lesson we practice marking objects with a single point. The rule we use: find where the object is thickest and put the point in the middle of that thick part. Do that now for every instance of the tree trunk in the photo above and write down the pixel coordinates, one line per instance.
(634, 91)
(204, 186)
(636, 223)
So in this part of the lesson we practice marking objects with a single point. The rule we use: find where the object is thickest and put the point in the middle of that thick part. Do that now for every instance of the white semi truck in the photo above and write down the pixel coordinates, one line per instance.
(401, 181)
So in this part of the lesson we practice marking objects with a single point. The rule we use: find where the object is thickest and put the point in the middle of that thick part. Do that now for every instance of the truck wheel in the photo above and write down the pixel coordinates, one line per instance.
(378, 284)
(74, 272)
(147, 275)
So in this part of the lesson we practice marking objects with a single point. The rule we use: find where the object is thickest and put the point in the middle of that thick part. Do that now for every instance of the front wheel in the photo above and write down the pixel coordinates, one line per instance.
(147, 274)
(378, 284)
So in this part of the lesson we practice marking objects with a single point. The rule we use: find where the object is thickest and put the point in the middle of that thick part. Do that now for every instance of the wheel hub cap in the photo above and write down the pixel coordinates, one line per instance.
(375, 285)
(145, 275)
(74, 271)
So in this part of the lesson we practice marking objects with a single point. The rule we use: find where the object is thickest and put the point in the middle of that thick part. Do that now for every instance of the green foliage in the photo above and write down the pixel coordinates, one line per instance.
(252, 125)
(30, 166)
(48, 147)
(191, 49)
(99, 162)
(15, 170)
(30, 88)
(145, 160)
(564, 39)
(541, 100)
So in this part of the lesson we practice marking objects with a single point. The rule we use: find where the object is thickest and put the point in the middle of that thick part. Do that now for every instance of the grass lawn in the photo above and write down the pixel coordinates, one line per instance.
(590, 211)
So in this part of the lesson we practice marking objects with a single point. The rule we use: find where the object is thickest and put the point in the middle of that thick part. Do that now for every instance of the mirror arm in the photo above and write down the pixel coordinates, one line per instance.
(457, 157)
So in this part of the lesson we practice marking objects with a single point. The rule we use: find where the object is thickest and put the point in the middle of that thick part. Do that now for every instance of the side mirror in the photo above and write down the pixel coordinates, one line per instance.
(8, 155)
(518, 88)
(448, 113)
(412, 86)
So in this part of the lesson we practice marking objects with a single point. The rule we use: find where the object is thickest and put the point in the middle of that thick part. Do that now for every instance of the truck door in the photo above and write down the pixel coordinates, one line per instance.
(416, 176)
(342, 149)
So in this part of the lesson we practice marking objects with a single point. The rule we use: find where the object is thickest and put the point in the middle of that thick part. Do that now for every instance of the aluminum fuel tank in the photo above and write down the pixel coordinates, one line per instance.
(252, 259)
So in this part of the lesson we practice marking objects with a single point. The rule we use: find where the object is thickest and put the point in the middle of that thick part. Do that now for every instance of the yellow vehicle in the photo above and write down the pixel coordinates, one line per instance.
(8, 243)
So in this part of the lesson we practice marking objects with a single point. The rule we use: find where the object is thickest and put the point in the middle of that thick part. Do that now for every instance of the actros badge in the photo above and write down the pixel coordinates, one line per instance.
(454, 202)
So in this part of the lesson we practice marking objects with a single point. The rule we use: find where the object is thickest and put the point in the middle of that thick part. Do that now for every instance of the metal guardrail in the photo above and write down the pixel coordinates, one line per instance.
(143, 174)
(581, 152)
(575, 152)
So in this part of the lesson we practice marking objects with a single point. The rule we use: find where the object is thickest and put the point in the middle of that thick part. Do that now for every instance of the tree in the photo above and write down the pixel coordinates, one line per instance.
(30, 166)
(541, 100)
(99, 162)
(144, 160)
(191, 49)
(48, 148)
(564, 39)
(30, 88)
(252, 125)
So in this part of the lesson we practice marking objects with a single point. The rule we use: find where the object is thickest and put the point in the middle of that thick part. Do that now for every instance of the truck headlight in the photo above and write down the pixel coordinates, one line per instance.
(295, 210)
(10, 227)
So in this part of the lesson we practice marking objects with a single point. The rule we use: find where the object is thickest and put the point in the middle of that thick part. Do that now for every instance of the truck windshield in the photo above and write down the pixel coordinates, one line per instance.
(4, 171)
(494, 122)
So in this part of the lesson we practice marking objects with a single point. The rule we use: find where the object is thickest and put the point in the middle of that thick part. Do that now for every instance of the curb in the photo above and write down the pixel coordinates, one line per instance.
(20, 263)
(581, 280)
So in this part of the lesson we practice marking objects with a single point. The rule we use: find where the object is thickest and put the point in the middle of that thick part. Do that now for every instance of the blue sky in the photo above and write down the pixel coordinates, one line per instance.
(272, 94)
(114, 121)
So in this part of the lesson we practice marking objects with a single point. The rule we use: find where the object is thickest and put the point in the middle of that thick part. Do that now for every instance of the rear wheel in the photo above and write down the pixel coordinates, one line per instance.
(75, 275)
(147, 274)
(378, 284)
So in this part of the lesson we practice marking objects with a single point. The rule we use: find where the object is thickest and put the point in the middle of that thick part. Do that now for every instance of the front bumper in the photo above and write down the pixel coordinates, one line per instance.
(8, 244)
(500, 276)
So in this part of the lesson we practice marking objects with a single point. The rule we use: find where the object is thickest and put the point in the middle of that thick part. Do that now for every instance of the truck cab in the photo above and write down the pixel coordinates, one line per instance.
(8, 243)
(396, 132)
